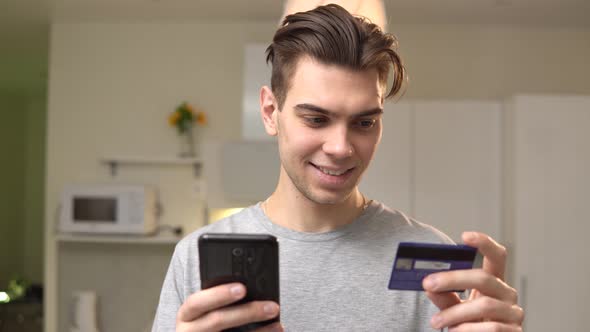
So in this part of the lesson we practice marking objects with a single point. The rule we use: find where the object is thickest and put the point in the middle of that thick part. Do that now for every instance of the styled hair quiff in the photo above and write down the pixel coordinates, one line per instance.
(331, 35)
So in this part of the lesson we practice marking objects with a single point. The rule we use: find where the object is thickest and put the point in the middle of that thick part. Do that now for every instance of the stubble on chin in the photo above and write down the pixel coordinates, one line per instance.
(305, 189)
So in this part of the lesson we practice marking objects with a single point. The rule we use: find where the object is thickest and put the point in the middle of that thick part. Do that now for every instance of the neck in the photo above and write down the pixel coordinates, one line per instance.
(291, 209)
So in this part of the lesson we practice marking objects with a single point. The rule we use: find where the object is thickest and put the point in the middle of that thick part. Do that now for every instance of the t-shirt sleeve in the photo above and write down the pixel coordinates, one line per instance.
(171, 296)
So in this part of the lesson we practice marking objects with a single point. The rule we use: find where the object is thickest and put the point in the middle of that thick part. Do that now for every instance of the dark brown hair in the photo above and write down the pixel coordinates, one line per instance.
(331, 35)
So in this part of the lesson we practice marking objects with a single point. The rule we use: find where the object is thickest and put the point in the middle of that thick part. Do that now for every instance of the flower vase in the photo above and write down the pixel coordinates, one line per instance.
(187, 144)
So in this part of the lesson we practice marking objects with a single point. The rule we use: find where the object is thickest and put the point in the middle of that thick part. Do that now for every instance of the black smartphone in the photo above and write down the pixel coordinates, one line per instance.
(251, 259)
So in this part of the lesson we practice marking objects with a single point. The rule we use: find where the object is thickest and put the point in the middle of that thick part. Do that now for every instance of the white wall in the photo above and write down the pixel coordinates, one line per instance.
(110, 91)
(455, 61)
(112, 85)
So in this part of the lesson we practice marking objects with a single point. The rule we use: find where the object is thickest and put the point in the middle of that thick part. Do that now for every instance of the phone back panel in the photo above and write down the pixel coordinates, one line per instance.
(251, 259)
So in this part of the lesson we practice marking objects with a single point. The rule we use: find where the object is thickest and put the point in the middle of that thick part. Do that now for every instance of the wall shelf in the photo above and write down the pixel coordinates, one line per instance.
(120, 239)
(115, 161)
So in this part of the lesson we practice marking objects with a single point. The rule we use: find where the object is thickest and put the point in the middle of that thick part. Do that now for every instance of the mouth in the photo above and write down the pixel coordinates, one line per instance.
(336, 172)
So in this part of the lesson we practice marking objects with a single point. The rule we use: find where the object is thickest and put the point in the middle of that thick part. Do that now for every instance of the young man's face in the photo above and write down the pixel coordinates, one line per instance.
(328, 129)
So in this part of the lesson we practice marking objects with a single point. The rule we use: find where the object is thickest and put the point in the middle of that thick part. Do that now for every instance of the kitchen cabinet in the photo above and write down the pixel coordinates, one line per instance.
(239, 173)
(456, 165)
(388, 178)
(548, 188)
(439, 162)
(21, 317)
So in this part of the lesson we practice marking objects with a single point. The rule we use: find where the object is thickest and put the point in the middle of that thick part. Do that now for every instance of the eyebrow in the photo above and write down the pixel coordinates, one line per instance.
(315, 108)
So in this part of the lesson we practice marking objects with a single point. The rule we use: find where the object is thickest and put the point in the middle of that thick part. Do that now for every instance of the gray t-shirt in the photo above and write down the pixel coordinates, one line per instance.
(332, 281)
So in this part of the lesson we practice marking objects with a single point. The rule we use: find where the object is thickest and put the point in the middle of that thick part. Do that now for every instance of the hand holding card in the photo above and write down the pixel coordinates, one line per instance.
(492, 303)
(414, 261)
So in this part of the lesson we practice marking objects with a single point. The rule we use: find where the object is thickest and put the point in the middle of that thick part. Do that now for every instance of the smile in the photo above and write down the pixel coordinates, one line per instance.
(332, 172)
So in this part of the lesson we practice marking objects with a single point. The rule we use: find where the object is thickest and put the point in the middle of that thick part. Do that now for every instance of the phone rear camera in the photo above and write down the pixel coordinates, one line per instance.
(238, 252)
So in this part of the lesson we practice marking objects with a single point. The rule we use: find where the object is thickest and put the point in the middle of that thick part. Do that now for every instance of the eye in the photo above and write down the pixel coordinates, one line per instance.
(365, 123)
(315, 121)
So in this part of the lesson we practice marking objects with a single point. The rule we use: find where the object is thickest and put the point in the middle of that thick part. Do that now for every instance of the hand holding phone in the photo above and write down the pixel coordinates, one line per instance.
(212, 309)
(249, 259)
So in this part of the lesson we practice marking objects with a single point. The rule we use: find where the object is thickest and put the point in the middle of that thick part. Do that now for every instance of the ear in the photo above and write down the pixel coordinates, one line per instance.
(268, 110)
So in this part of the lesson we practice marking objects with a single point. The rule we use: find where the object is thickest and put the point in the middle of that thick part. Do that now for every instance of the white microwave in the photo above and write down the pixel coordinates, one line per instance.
(108, 209)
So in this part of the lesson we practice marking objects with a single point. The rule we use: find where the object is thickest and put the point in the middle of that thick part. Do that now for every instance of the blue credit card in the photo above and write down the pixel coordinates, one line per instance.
(414, 261)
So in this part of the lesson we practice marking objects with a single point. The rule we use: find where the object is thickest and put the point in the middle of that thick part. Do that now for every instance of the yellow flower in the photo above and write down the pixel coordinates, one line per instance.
(185, 115)
(173, 118)
(189, 108)
(201, 118)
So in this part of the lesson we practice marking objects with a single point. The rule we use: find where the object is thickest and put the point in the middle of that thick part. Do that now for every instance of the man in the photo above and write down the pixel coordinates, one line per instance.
(328, 82)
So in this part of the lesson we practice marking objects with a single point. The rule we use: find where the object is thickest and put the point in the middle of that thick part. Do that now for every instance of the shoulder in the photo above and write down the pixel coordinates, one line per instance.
(399, 225)
(243, 221)
(184, 267)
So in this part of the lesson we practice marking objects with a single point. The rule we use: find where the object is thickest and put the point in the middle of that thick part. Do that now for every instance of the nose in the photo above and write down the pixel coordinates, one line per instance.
(337, 143)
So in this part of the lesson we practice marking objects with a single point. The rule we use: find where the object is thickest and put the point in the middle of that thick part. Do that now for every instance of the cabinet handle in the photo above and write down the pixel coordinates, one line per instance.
(522, 298)
(523, 291)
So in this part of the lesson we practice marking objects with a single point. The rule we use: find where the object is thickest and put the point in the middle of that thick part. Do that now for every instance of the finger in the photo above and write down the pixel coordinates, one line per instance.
(443, 300)
(485, 326)
(237, 315)
(473, 294)
(275, 327)
(483, 308)
(209, 299)
(494, 253)
(478, 279)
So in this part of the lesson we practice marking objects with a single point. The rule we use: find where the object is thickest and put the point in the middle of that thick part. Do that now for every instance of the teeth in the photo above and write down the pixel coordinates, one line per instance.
(329, 172)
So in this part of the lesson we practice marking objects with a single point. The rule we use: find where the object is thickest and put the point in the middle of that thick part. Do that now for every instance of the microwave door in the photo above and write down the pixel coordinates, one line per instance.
(94, 210)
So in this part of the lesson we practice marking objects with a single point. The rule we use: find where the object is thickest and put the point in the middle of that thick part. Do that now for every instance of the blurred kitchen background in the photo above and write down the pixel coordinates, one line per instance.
(492, 134)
